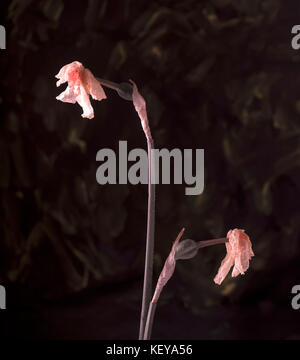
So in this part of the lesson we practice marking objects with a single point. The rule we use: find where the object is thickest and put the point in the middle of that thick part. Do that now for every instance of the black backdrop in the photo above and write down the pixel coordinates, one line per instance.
(216, 74)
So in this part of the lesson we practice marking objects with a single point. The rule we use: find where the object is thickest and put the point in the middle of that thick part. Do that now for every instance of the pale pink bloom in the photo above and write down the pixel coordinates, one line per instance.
(81, 84)
(239, 252)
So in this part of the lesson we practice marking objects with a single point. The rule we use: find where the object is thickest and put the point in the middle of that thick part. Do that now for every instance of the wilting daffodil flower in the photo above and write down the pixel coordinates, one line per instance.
(81, 84)
(239, 252)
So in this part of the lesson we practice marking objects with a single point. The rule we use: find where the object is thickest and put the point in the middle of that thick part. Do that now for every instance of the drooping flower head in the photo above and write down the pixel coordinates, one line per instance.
(81, 84)
(239, 252)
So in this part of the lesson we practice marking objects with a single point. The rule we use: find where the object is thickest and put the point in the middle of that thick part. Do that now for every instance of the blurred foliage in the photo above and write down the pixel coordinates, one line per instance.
(217, 74)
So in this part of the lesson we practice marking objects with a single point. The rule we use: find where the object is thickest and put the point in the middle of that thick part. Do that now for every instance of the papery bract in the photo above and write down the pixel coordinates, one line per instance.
(239, 252)
(81, 84)
(167, 270)
(140, 107)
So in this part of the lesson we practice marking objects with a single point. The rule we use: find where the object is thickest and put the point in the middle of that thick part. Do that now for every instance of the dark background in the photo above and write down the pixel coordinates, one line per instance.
(216, 74)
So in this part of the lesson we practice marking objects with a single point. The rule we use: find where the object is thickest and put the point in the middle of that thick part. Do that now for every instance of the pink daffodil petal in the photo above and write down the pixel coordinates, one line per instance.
(93, 86)
(243, 250)
(81, 84)
(225, 267)
(239, 252)
(66, 73)
(67, 96)
(84, 101)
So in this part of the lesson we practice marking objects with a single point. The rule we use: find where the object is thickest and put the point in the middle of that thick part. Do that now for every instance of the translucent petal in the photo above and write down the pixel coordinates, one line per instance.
(226, 264)
(93, 86)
